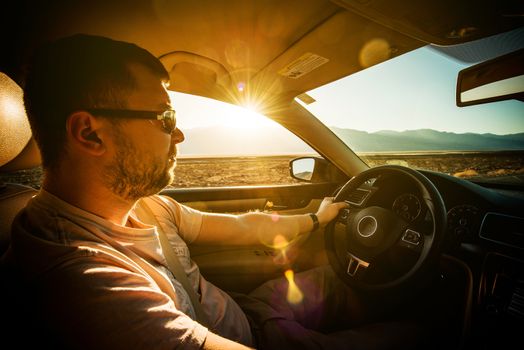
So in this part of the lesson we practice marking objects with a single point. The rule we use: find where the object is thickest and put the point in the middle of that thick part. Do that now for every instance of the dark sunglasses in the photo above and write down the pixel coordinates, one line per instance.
(168, 117)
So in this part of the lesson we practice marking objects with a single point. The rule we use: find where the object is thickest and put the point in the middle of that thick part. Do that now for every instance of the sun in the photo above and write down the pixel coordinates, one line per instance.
(245, 118)
(196, 112)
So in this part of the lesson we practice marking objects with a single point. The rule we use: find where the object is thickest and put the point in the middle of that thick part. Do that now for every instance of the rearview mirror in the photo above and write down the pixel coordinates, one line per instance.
(501, 78)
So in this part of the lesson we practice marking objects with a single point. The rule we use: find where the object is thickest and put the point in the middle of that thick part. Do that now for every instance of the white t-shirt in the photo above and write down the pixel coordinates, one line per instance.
(106, 285)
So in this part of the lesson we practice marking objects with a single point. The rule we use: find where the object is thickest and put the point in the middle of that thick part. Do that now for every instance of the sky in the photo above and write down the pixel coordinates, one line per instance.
(413, 91)
(400, 95)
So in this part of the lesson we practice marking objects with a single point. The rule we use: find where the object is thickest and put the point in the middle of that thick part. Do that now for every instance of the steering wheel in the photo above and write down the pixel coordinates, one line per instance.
(374, 233)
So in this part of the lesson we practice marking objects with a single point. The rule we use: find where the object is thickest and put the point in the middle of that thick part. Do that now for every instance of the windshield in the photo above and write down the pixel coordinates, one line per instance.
(403, 111)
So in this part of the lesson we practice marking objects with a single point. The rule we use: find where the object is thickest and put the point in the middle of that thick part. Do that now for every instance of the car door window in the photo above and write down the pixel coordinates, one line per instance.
(227, 145)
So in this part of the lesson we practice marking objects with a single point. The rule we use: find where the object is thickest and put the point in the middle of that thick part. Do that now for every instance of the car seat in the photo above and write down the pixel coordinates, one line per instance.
(18, 151)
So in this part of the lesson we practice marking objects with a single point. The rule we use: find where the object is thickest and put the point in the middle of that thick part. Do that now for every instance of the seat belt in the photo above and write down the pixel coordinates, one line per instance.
(174, 265)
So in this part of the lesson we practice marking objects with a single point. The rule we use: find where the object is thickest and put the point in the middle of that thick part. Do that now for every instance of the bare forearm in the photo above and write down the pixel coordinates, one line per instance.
(274, 229)
(263, 228)
(253, 228)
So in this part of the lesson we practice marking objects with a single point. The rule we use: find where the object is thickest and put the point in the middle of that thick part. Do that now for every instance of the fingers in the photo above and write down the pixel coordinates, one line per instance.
(339, 205)
(342, 205)
(329, 210)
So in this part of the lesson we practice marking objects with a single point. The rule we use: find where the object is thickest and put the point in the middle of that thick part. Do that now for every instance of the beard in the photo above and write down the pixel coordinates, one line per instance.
(132, 175)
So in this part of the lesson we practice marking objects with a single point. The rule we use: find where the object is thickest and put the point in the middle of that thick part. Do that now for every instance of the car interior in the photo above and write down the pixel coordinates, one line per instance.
(467, 290)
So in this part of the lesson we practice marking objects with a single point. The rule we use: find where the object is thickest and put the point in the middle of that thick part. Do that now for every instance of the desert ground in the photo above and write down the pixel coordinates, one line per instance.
(271, 170)
(245, 171)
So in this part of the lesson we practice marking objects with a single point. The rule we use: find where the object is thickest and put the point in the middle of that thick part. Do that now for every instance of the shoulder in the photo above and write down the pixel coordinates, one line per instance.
(161, 202)
(165, 206)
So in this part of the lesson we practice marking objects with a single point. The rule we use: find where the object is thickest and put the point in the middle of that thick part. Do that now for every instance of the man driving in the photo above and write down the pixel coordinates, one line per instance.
(96, 244)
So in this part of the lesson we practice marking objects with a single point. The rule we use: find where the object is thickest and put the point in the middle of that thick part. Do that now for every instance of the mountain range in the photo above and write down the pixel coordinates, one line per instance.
(428, 140)
(272, 141)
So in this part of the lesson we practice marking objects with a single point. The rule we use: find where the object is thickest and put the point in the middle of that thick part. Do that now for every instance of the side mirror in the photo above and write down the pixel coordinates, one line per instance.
(302, 168)
(315, 169)
(501, 78)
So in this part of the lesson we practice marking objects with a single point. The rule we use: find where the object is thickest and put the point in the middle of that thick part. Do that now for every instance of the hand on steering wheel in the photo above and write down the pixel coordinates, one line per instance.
(328, 210)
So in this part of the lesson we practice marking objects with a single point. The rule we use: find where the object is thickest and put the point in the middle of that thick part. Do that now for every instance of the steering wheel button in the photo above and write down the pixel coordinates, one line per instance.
(343, 216)
(411, 237)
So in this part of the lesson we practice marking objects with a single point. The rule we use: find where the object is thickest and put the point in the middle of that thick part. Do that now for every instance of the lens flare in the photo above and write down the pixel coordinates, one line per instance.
(280, 243)
(294, 294)
(241, 86)
(374, 51)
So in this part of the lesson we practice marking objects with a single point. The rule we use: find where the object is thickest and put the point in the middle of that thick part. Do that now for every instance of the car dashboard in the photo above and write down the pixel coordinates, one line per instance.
(484, 234)
(485, 230)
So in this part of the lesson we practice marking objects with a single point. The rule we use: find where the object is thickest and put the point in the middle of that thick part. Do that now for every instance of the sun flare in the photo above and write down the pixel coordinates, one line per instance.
(212, 112)
(245, 118)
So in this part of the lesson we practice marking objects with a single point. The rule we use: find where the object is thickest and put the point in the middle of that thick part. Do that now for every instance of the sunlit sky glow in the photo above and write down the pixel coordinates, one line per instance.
(400, 95)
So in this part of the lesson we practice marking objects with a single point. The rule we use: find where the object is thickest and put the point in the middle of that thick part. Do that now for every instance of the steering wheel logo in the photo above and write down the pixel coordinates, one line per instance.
(367, 226)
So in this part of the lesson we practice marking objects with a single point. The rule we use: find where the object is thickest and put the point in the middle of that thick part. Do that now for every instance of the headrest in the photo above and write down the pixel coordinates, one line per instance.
(15, 132)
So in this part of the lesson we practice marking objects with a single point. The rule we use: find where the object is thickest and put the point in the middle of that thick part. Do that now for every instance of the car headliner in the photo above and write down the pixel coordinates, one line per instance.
(210, 46)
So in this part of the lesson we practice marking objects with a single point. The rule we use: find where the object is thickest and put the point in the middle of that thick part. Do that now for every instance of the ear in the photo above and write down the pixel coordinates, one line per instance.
(83, 130)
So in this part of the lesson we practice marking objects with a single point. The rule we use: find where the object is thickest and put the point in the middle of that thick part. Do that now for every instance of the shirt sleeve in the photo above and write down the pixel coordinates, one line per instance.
(188, 221)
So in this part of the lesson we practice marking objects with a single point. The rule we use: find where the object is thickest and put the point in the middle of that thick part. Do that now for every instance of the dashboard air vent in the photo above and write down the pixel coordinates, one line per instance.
(358, 196)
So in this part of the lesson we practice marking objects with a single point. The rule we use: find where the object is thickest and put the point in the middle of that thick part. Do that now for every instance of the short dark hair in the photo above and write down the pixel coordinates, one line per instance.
(76, 72)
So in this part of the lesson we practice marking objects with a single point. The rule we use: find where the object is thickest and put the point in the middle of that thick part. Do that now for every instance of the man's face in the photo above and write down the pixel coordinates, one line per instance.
(144, 155)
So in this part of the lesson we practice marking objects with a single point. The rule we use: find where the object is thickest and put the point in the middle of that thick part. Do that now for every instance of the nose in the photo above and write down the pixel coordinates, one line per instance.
(177, 136)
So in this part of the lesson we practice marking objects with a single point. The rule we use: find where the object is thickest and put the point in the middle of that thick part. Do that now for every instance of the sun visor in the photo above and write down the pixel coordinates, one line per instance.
(194, 74)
